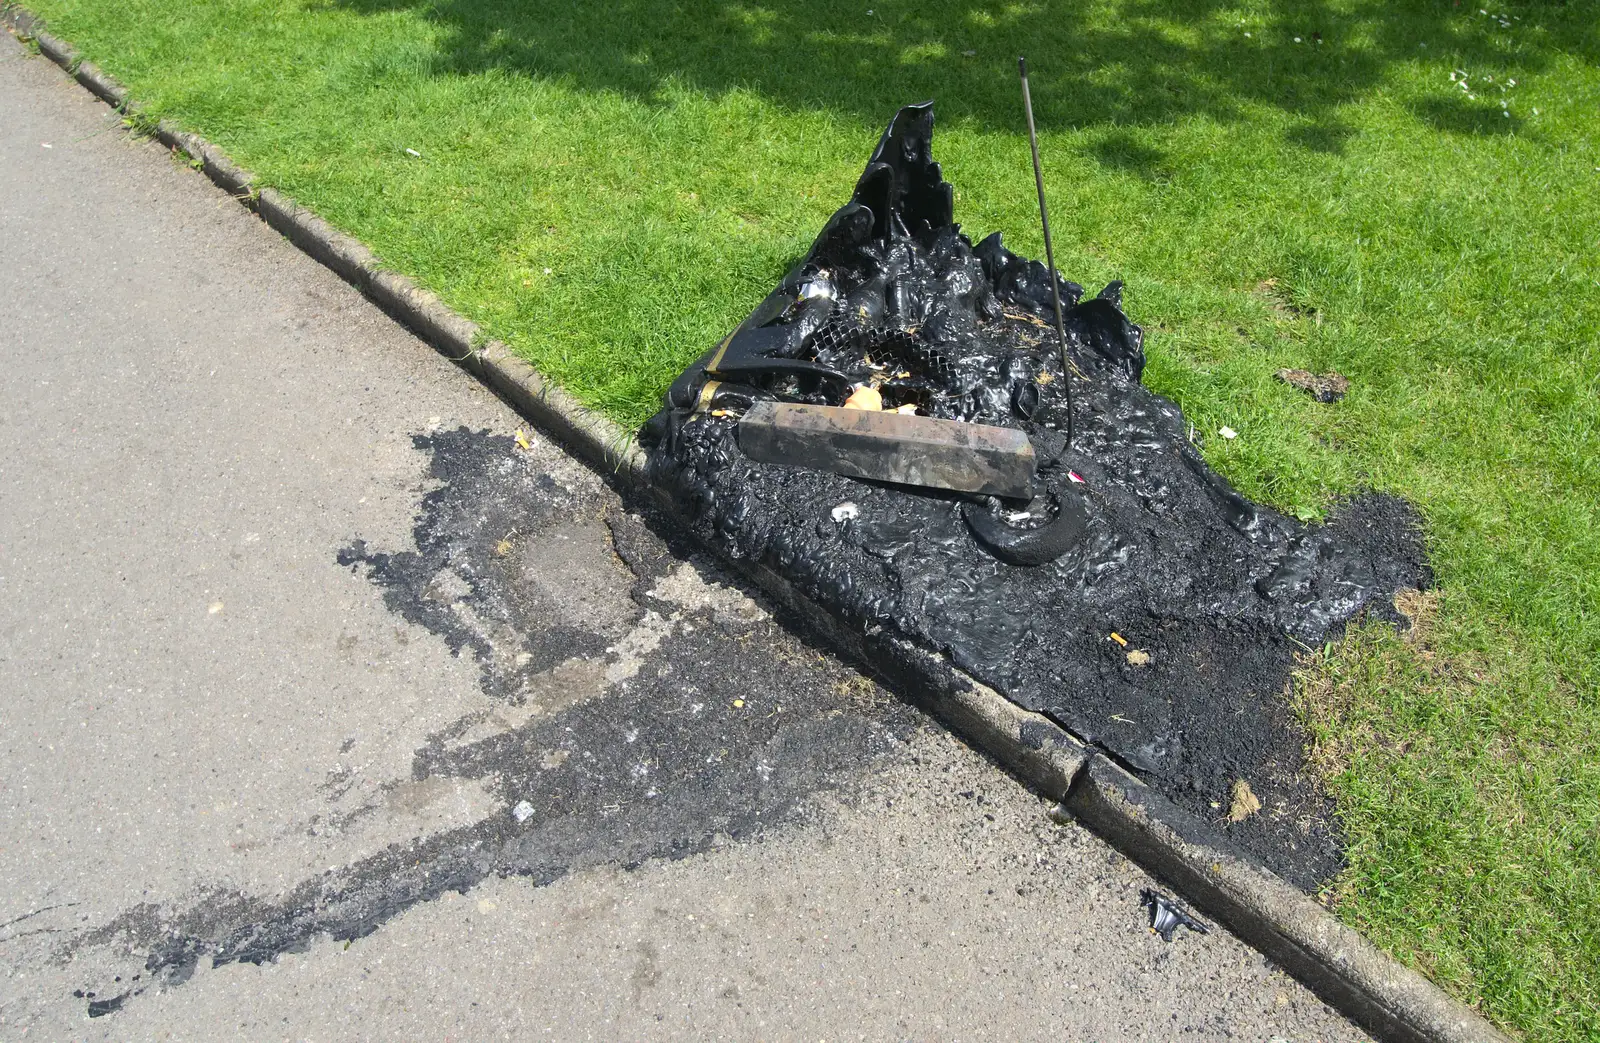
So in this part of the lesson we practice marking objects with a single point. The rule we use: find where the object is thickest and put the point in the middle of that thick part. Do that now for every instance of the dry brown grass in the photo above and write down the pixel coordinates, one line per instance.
(1328, 686)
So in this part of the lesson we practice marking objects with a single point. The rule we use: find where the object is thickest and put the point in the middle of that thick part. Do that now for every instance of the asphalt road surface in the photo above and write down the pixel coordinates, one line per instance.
(332, 709)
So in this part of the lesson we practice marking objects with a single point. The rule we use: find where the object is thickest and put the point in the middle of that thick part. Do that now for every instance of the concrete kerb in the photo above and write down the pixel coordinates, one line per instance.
(1353, 975)
(1386, 998)
(592, 436)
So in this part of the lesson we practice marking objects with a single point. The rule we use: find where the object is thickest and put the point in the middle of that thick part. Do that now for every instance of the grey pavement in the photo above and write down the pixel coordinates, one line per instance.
(332, 709)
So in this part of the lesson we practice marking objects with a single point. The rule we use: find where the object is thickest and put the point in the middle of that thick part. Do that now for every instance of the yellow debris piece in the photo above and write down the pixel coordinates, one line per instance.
(865, 398)
(1245, 802)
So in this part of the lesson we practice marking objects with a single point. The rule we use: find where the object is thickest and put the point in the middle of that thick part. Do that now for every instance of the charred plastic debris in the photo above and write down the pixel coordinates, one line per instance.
(1116, 584)
(1166, 915)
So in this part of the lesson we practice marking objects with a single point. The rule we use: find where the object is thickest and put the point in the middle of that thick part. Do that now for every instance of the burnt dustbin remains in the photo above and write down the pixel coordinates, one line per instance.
(1112, 581)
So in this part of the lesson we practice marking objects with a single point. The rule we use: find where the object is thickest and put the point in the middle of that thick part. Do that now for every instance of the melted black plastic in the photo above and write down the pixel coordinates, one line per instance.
(1166, 915)
(1161, 549)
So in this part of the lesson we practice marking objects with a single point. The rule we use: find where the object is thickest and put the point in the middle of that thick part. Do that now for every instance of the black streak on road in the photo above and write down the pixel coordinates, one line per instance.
(659, 764)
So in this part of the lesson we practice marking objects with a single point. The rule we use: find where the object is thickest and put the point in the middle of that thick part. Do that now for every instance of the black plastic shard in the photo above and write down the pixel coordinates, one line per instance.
(1166, 916)
(1130, 532)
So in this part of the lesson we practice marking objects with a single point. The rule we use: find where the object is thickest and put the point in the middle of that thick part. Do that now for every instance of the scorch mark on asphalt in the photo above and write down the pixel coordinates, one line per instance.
(637, 707)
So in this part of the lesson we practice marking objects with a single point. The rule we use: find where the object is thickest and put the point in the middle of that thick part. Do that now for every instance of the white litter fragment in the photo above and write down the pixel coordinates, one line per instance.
(413, 152)
(846, 511)
(523, 811)
(818, 288)
(1227, 432)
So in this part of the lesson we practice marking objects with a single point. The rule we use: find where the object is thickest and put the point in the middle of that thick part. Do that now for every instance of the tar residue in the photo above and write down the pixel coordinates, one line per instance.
(663, 763)
(1153, 545)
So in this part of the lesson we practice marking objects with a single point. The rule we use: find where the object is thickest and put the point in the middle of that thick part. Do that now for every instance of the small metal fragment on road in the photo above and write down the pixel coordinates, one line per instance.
(1166, 916)
(891, 447)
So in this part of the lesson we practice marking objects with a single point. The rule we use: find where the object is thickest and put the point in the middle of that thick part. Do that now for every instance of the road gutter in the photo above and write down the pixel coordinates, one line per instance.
(1370, 987)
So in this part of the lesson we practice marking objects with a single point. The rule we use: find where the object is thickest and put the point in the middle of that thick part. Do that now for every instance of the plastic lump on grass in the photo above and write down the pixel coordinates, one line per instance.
(1217, 590)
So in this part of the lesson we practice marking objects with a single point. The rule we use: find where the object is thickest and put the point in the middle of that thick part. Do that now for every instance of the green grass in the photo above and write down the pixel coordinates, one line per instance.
(609, 187)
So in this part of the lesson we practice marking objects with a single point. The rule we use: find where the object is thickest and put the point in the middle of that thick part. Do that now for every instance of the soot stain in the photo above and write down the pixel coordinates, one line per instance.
(464, 581)
(1138, 600)
(717, 733)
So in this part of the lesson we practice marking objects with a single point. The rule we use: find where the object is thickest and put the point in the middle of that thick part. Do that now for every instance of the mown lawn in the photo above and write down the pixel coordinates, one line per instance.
(1406, 192)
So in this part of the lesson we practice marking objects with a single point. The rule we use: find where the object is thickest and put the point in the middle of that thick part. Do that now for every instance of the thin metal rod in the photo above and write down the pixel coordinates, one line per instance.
(1067, 367)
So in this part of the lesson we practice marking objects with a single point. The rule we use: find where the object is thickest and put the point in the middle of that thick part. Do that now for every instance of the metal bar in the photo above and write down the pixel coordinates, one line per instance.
(891, 447)
(1067, 367)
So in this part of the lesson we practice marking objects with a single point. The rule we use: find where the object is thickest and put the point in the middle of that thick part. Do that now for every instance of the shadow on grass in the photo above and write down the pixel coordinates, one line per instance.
(1327, 137)
(1459, 116)
(1121, 150)
(1162, 61)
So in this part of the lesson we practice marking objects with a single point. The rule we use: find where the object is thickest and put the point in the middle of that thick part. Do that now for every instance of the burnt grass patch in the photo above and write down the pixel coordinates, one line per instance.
(1162, 629)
